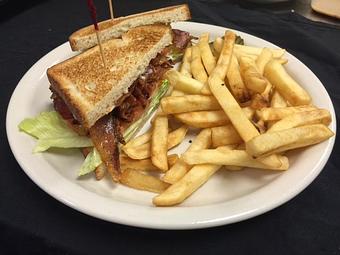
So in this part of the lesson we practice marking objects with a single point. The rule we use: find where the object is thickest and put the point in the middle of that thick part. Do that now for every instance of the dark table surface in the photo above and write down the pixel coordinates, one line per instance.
(32, 222)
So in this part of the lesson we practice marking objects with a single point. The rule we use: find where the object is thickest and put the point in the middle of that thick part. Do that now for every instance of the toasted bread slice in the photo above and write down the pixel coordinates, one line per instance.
(91, 91)
(85, 38)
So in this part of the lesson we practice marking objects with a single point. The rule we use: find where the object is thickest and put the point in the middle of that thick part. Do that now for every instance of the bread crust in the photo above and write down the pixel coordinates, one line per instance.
(89, 90)
(85, 38)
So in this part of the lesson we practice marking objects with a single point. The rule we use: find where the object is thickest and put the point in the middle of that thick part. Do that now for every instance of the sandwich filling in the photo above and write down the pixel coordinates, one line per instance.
(106, 133)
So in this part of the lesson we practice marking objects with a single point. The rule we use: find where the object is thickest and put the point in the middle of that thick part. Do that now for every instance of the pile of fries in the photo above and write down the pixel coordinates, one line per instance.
(248, 111)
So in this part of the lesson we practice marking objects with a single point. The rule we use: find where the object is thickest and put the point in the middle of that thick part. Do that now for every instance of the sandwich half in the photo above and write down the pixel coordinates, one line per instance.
(85, 38)
(102, 102)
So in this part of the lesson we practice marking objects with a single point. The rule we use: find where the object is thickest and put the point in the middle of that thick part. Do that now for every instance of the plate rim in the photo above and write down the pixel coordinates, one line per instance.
(149, 224)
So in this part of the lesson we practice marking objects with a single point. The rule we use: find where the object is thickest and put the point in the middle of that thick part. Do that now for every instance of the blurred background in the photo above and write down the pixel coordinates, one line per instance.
(10, 8)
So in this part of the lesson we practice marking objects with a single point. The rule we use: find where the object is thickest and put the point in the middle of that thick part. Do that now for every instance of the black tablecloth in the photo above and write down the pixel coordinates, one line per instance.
(33, 222)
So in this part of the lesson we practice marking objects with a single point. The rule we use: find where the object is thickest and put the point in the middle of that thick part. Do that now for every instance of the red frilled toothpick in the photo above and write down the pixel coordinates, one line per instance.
(93, 13)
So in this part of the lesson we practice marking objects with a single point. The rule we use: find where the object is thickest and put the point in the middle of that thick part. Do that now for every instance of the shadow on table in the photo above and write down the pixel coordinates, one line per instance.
(11, 8)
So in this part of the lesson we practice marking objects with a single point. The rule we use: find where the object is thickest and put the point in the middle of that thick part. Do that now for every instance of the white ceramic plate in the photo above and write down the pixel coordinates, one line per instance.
(226, 198)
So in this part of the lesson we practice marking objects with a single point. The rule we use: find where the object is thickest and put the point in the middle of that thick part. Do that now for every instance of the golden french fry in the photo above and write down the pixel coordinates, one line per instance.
(218, 44)
(176, 93)
(172, 159)
(208, 59)
(251, 76)
(177, 171)
(277, 101)
(224, 149)
(318, 116)
(189, 103)
(228, 103)
(261, 126)
(190, 182)
(232, 109)
(139, 140)
(235, 82)
(138, 165)
(230, 158)
(143, 164)
(205, 89)
(100, 171)
(285, 84)
(137, 180)
(203, 119)
(262, 60)
(288, 139)
(249, 50)
(224, 135)
(224, 59)
(183, 83)
(282, 61)
(185, 67)
(143, 151)
(280, 113)
(241, 146)
(159, 143)
(240, 55)
(259, 101)
(267, 92)
(197, 68)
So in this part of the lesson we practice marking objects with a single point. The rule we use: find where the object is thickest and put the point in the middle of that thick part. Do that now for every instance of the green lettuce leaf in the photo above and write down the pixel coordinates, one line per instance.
(154, 103)
(92, 160)
(52, 131)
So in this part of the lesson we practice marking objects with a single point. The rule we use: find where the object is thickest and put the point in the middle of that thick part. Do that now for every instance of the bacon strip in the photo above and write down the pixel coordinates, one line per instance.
(180, 38)
(104, 137)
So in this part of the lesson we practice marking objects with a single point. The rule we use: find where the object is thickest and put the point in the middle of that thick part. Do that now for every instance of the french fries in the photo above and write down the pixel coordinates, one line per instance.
(143, 151)
(224, 135)
(208, 59)
(172, 159)
(143, 164)
(207, 119)
(179, 191)
(183, 83)
(228, 103)
(189, 103)
(137, 141)
(100, 171)
(285, 84)
(318, 116)
(279, 113)
(138, 180)
(249, 50)
(203, 119)
(230, 158)
(262, 60)
(258, 102)
(235, 82)
(159, 143)
(177, 171)
(177, 93)
(217, 44)
(249, 110)
(251, 76)
(277, 101)
(185, 67)
(243, 50)
(288, 139)
(197, 68)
